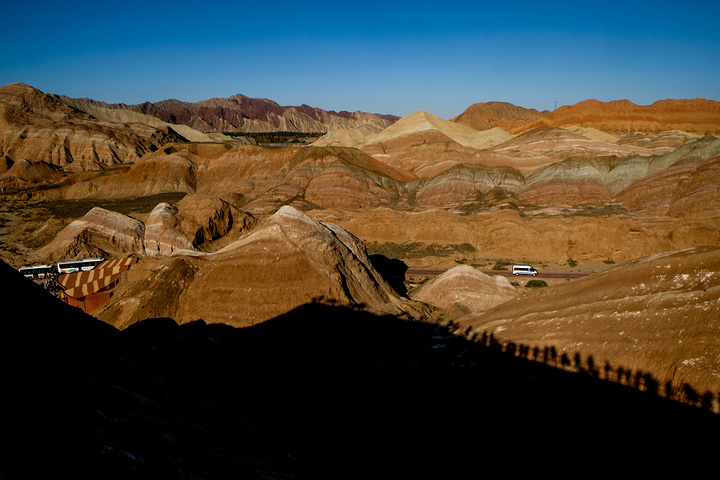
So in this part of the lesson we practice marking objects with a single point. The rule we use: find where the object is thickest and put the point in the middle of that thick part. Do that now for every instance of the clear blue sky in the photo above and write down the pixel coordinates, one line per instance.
(374, 56)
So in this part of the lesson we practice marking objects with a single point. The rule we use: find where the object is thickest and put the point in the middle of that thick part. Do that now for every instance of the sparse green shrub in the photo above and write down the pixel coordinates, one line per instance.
(572, 263)
(609, 262)
(418, 249)
(536, 284)
(501, 265)
(277, 137)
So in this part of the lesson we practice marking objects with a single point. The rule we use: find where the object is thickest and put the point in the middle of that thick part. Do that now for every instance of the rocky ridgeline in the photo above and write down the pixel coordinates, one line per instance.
(609, 188)
(244, 114)
(39, 128)
(622, 117)
(488, 115)
(198, 222)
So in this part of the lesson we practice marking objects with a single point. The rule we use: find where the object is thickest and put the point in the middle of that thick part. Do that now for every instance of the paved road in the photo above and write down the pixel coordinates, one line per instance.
(429, 272)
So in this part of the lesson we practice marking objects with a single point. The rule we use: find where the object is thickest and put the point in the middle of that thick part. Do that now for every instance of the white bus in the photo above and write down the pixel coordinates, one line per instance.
(78, 265)
(38, 271)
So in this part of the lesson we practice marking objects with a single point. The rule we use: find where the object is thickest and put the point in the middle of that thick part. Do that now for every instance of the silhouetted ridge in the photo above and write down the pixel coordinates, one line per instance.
(320, 392)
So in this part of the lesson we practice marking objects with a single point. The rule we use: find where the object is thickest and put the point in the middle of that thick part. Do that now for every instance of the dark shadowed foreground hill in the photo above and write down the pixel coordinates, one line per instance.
(321, 392)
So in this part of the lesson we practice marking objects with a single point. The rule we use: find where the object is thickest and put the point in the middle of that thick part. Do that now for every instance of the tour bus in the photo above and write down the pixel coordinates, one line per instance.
(524, 270)
(38, 271)
(78, 265)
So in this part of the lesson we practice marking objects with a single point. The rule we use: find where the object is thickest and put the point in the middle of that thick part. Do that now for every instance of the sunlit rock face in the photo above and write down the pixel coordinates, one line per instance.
(40, 128)
(98, 232)
(680, 183)
(622, 117)
(567, 183)
(484, 116)
(24, 173)
(463, 291)
(309, 177)
(286, 261)
(163, 232)
(638, 316)
(469, 186)
(240, 113)
(154, 173)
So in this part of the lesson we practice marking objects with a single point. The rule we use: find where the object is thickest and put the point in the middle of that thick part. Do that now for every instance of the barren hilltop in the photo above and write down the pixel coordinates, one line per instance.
(240, 113)
(622, 117)
(384, 248)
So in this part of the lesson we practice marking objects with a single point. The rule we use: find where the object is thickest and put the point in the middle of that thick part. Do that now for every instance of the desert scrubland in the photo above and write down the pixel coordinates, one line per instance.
(415, 219)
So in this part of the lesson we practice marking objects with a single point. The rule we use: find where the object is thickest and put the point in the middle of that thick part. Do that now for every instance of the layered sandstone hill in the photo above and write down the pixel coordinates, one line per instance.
(421, 143)
(428, 145)
(244, 114)
(562, 168)
(40, 128)
(424, 163)
(578, 210)
(544, 146)
(286, 261)
(422, 122)
(622, 117)
(484, 116)
(106, 113)
(306, 178)
(152, 174)
(583, 235)
(463, 291)
(197, 223)
(658, 315)
(99, 232)
(682, 183)
(26, 174)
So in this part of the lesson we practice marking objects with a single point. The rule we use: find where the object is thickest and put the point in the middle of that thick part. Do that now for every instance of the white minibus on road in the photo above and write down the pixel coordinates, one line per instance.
(524, 270)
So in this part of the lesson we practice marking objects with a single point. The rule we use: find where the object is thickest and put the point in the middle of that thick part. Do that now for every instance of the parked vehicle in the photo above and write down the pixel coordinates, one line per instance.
(524, 270)
(78, 265)
(39, 271)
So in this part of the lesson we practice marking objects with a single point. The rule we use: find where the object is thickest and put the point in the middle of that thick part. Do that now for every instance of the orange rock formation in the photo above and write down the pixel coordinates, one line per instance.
(622, 116)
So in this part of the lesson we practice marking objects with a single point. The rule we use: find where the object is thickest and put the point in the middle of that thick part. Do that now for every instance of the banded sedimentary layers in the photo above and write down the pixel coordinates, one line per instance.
(244, 114)
(39, 128)
(633, 316)
(287, 261)
(621, 117)
(463, 291)
(554, 237)
(484, 116)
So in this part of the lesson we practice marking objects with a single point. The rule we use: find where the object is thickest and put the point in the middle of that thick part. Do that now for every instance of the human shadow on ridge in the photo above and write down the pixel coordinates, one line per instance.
(586, 365)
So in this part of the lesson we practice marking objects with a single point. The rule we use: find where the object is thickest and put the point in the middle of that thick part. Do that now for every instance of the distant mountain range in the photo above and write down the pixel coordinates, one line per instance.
(243, 114)
(619, 117)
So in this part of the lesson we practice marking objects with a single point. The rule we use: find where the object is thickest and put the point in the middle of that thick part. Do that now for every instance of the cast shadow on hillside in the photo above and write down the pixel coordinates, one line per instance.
(392, 270)
(641, 381)
(320, 392)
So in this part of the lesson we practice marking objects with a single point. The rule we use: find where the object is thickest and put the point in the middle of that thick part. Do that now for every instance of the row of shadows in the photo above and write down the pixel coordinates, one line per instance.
(637, 379)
